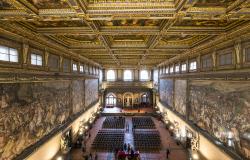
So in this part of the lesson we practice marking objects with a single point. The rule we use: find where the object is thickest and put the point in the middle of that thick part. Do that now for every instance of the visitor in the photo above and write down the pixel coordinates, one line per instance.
(168, 152)
(132, 154)
(129, 147)
(90, 157)
(96, 156)
(125, 146)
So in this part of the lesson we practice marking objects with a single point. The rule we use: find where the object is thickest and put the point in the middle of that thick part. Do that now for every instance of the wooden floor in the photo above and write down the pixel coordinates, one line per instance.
(177, 152)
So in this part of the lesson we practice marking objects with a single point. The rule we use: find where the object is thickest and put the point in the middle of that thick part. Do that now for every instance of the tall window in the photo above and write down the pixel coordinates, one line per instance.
(184, 67)
(74, 67)
(81, 68)
(167, 70)
(193, 65)
(100, 75)
(177, 68)
(226, 59)
(111, 75)
(144, 75)
(127, 75)
(171, 69)
(8, 54)
(207, 61)
(36, 59)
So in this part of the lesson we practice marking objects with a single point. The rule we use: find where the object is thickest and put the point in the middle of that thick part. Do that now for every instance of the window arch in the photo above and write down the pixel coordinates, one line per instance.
(144, 75)
(111, 100)
(111, 75)
(127, 75)
(144, 98)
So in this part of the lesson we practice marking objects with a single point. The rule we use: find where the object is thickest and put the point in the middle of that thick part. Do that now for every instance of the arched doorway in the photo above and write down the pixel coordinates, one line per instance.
(128, 100)
(144, 100)
(110, 100)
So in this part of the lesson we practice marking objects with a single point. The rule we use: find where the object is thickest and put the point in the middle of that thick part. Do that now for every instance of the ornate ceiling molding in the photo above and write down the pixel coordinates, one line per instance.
(122, 32)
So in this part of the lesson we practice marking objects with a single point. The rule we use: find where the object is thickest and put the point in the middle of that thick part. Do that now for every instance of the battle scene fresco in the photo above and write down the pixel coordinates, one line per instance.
(29, 111)
(166, 91)
(222, 108)
(180, 96)
(91, 91)
(78, 95)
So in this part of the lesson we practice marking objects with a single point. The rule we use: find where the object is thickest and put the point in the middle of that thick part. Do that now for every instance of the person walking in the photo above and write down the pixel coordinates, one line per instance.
(125, 147)
(168, 152)
(96, 156)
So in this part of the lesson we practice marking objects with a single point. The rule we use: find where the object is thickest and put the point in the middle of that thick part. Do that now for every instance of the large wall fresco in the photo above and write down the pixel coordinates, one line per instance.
(180, 88)
(166, 91)
(91, 91)
(223, 108)
(77, 95)
(29, 111)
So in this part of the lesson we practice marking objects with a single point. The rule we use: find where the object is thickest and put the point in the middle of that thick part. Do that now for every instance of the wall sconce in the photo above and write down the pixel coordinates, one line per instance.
(171, 127)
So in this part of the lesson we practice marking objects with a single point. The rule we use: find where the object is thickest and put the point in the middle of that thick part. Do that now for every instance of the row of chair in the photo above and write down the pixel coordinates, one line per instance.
(114, 122)
(147, 141)
(143, 123)
(108, 140)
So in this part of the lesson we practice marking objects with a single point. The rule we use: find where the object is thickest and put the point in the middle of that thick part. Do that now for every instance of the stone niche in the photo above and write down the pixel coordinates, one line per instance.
(29, 111)
(222, 108)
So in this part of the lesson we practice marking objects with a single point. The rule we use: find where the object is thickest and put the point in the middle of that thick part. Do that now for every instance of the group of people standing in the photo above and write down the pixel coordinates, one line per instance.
(127, 152)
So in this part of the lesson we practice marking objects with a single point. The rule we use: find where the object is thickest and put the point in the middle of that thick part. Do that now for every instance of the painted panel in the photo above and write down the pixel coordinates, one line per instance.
(91, 91)
(29, 111)
(222, 108)
(78, 95)
(166, 91)
(180, 96)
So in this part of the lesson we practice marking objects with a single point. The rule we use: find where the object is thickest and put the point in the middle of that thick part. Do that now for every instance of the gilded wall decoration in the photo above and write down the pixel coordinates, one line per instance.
(222, 108)
(49, 4)
(80, 38)
(176, 37)
(50, 23)
(204, 23)
(121, 38)
(214, 3)
(29, 111)
(91, 91)
(6, 5)
(132, 22)
(180, 89)
(166, 91)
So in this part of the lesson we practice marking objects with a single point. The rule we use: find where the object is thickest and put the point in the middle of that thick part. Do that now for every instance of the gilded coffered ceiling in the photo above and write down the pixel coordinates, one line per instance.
(125, 33)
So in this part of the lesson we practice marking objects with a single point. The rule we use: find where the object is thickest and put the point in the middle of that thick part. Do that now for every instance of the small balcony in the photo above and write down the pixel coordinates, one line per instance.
(129, 84)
